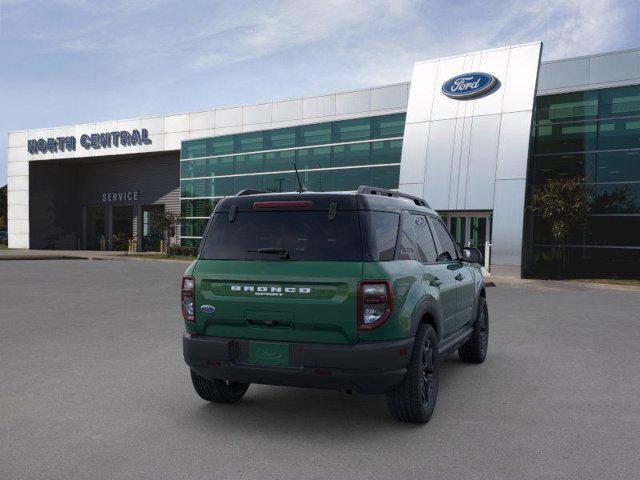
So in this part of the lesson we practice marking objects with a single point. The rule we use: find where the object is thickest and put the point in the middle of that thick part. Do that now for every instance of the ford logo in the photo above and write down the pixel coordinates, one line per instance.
(469, 85)
(207, 308)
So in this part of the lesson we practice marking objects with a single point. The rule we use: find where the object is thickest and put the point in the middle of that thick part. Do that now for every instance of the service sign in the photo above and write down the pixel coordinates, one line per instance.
(469, 85)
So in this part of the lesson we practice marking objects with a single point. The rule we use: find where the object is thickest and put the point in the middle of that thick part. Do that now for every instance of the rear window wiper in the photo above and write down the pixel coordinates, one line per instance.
(283, 252)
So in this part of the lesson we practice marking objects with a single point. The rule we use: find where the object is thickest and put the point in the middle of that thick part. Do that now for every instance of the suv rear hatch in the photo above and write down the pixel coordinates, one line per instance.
(281, 269)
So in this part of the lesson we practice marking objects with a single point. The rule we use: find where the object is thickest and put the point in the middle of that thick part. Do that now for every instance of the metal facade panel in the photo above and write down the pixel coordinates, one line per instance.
(563, 74)
(469, 140)
(415, 147)
(393, 96)
(438, 163)
(481, 169)
(514, 145)
(614, 67)
(508, 214)
(353, 102)
(253, 114)
(314, 107)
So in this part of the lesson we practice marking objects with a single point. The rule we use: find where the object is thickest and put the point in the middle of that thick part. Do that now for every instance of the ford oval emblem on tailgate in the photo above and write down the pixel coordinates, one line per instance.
(207, 308)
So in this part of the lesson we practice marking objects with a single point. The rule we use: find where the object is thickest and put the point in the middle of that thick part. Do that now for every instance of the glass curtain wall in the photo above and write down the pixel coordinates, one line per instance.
(593, 135)
(330, 156)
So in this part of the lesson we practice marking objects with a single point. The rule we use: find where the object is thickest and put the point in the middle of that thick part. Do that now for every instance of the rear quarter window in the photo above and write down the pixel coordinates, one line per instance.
(381, 232)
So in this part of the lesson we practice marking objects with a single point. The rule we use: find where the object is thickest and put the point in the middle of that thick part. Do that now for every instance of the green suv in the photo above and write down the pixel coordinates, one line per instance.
(360, 291)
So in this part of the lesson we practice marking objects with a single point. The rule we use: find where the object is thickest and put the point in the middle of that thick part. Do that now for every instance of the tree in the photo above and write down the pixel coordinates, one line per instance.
(166, 223)
(565, 204)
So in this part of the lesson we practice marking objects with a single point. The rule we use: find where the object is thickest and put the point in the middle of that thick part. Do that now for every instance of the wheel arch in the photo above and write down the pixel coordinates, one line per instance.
(428, 313)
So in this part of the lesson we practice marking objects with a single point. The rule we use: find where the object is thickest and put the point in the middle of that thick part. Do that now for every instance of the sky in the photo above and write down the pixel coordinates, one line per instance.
(65, 62)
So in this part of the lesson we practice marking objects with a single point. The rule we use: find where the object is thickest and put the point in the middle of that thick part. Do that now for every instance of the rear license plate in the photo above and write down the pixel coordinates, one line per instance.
(274, 354)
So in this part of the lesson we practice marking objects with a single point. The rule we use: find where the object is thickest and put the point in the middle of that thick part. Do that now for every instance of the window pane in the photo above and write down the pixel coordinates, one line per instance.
(382, 228)
(276, 161)
(249, 163)
(194, 148)
(193, 228)
(385, 177)
(220, 145)
(186, 188)
(351, 130)
(458, 226)
(563, 166)
(186, 169)
(566, 107)
(618, 167)
(313, 134)
(253, 182)
(447, 250)
(620, 102)
(406, 236)
(221, 187)
(424, 241)
(615, 198)
(197, 208)
(306, 235)
(220, 166)
(347, 179)
(319, 157)
(388, 126)
(248, 142)
(348, 155)
(280, 182)
(190, 242)
(575, 137)
(280, 138)
(388, 151)
(619, 134)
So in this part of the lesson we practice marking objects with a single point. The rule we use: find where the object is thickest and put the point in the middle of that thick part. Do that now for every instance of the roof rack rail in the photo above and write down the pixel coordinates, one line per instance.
(250, 191)
(367, 190)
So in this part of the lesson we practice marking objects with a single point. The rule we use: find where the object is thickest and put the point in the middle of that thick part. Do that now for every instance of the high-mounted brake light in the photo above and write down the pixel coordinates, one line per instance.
(375, 303)
(284, 204)
(187, 295)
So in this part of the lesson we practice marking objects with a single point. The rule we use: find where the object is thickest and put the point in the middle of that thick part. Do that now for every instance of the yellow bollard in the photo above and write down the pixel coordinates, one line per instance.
(161, 246)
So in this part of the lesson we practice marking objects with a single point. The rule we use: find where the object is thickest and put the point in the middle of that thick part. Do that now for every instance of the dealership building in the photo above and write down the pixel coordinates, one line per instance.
(477, 135)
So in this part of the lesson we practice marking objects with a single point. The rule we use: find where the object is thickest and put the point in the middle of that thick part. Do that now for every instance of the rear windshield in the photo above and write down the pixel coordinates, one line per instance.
(303, 235)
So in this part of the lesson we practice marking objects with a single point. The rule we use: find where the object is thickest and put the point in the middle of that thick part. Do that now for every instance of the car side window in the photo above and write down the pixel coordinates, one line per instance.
(447, 250)
(424, 240)
(406, 250)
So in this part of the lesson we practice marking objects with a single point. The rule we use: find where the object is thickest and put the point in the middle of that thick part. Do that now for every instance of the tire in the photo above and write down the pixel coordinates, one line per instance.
(475, 349)
(415, 399)
(218, 391)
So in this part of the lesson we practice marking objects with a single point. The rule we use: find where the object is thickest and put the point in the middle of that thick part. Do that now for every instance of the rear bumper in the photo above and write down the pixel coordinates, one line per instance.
(366, 367)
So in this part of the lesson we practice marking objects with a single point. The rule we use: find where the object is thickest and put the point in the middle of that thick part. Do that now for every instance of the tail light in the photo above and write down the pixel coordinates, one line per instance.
(186, 297)
(375, 303)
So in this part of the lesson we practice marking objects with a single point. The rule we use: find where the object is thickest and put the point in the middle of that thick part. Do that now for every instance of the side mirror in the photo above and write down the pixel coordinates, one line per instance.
(471, 255)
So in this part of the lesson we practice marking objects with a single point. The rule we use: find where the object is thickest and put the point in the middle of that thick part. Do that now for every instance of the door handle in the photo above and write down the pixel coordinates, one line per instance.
(436, 282)
(459, 277)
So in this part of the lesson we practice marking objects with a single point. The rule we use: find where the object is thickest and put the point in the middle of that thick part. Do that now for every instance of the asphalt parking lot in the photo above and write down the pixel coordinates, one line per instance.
(93, 385)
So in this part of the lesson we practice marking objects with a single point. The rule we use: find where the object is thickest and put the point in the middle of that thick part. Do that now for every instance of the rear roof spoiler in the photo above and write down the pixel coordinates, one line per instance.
(367, 190)
(249, 191)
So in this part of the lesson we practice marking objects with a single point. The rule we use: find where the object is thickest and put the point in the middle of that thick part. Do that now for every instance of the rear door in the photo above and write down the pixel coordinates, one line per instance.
(438, 277)
(463, 281)
(286, 275)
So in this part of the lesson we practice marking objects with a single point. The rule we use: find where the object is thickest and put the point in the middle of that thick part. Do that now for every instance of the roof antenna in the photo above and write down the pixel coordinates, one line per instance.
(300, 188)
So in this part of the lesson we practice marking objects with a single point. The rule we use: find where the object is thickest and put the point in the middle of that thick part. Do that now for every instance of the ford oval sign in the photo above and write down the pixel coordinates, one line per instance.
(469, 85)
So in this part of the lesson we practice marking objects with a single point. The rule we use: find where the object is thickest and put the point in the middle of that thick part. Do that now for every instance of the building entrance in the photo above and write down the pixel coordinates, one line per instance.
(121, 227)
(470, 229)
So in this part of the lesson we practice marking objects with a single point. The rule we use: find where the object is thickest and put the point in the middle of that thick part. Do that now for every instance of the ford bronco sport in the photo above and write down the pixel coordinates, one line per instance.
(360, 291)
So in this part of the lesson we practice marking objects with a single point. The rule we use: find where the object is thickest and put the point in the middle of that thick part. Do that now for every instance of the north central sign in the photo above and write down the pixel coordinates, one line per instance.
(93, 141)
(469, 85)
